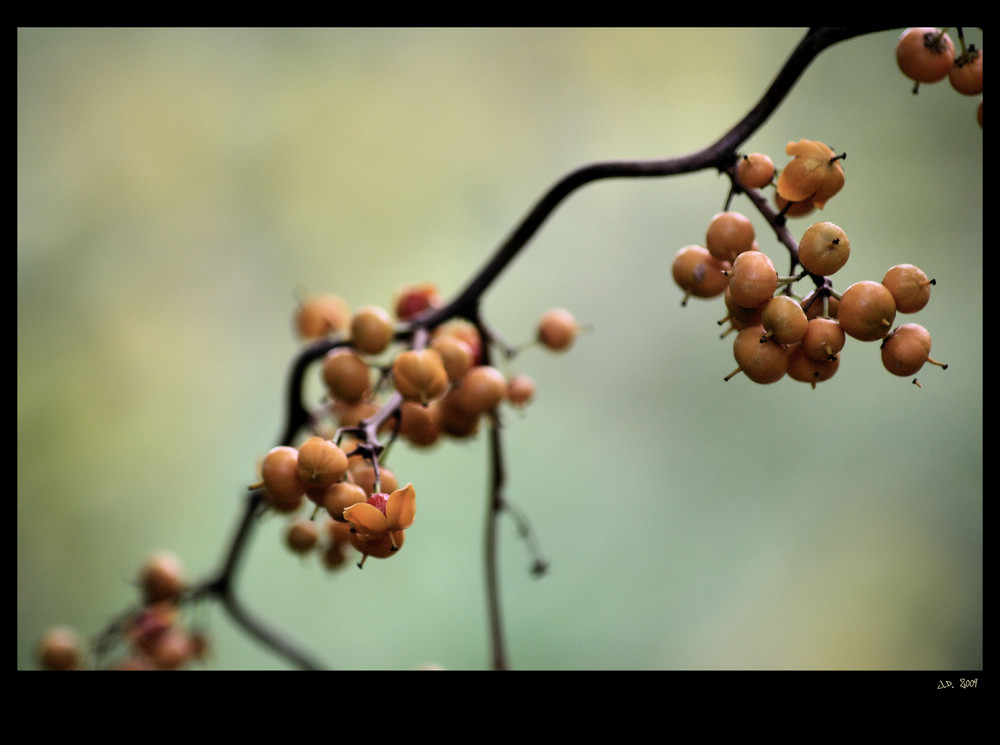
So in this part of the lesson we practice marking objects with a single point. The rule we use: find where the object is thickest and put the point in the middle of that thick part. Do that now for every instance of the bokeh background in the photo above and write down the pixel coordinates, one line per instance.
(179, 189)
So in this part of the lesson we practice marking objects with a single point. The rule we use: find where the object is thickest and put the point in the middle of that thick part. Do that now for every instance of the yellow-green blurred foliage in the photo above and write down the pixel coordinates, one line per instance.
(178, 189)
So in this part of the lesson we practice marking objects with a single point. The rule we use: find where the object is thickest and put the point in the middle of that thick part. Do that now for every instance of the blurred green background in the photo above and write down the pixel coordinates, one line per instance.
(178, 189)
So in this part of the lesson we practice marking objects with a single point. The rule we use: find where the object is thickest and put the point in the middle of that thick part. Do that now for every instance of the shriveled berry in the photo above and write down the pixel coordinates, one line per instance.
(814, 173)
(866, 311)
(909, 286)
(824, 248)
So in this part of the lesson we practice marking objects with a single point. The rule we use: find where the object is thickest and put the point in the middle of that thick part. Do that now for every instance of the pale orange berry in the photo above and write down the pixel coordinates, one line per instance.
(557, 329)
(520, 390)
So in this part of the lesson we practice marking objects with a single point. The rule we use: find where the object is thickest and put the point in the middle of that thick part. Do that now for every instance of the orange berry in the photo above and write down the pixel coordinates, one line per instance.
(520, 390)
(755, 171)
(729, 234)
(161, 578)
(338, 497)
(906, 349)
(806, 369)
(909, 286)
(322, 315)
(419, 375)
(966, 74)
(456, 354)
(346, 375)
(752, 279)
(823, 340)
(925, 55)
(302, 536)
(738, 316)
(866, 310)
(699, 273)
(283, 488)
(320, 463)
(419, 424)
(371, 329)
(59, 649)
(783, 320)
(480, 390)
(824, 249)
(557, 329)
(464, 330)
(762, 362)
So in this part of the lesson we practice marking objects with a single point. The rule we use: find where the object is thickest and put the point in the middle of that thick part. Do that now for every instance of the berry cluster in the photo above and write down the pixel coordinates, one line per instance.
(383, 380)
(155, 636)
(927, 55)
(778, 332)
